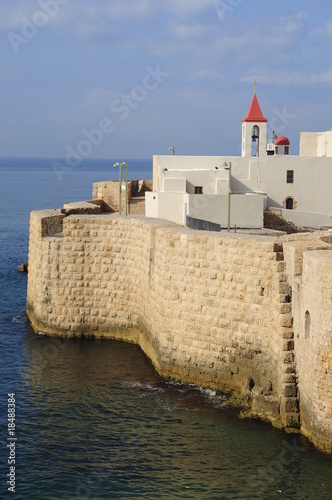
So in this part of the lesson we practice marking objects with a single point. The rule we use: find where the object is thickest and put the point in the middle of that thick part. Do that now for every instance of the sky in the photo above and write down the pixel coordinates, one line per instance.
(131, 78)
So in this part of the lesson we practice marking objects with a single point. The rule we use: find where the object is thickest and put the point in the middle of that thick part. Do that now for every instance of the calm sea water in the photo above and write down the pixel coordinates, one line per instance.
(93, 420)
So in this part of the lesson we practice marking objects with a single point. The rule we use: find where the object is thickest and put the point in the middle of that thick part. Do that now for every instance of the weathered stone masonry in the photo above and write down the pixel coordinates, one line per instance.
(229, 312)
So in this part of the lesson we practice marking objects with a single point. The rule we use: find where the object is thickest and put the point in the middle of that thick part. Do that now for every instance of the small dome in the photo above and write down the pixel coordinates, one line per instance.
(282, 141)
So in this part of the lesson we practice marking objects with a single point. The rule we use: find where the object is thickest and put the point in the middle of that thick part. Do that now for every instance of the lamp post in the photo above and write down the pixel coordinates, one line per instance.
(126, 164)
(172, 148)
(228, 166)
(120, 165)
(120, 182)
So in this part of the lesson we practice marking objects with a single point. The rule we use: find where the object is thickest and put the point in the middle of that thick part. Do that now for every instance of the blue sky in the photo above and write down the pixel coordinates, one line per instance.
(129, 78)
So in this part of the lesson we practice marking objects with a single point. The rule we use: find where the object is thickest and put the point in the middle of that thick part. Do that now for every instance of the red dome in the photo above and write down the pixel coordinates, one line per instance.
(282, 141)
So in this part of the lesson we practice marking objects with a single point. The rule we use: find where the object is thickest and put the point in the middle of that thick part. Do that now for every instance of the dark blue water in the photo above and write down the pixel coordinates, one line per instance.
(93, 420)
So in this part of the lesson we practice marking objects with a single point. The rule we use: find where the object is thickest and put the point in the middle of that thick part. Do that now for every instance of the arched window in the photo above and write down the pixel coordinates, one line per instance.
(255, 141)
(289, 203)
(307, 324)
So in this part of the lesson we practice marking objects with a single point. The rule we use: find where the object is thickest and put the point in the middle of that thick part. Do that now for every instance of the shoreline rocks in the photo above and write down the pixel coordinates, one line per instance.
(23, 268)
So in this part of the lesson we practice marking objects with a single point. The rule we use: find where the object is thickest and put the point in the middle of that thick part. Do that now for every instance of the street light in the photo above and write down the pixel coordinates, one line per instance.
(126, 188)
(172, 148)
(120, 182)
(120, 165)
(228, 166)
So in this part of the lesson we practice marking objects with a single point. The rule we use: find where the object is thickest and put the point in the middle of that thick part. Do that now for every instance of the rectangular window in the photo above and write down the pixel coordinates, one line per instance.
(286, 150)
(198, 189)
(290, 176)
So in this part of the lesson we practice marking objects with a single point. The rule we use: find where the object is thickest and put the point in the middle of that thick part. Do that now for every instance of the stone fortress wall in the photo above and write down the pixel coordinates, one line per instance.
(108, 192)
(249, 315)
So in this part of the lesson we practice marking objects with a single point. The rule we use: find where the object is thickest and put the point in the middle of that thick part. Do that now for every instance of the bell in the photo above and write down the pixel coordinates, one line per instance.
(254, 137)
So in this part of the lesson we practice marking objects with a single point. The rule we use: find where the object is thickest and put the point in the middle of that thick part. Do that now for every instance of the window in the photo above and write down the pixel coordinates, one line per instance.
(255, 141)
(286, 150)
(307, 322)
(276, 150)
(289, 204)
(290, 176)
(198, 189)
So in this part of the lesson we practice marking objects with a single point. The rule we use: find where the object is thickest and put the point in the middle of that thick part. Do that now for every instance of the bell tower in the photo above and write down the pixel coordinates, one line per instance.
(254, 130)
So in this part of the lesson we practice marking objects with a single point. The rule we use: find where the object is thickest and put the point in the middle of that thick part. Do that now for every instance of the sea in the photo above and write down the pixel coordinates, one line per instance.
(93, 420)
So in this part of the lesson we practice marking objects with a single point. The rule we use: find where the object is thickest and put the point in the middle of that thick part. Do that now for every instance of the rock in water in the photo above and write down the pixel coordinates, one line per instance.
(23, 268)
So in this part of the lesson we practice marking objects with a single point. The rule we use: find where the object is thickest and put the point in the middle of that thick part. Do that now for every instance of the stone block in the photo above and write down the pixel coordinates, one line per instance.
(289, 378)
(286, 320)
(288, 345)
(289, 405)
(288, 358)
(289, 390)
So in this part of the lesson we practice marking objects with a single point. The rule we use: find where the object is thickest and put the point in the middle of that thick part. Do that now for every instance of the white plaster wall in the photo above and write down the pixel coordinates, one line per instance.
(262, 140)
(311, 188)
(325, 144)
(151, 204)
(316, 143)
(308, 143)
(175, 185)
(205, 178)
(307, 219)
(312, 177)
(169, 206)
(222, 186)
(210, 208)
(247, 211)
(201, 176)
(206, 173)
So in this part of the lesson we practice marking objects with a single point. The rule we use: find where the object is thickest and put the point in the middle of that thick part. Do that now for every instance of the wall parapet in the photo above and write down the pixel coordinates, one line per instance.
(47, 222)
(207, 308)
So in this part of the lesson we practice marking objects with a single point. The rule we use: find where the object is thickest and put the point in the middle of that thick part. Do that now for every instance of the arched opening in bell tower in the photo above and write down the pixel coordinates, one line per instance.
(255, 141)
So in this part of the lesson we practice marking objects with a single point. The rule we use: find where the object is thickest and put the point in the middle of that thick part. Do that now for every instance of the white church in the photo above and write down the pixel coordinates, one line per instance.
(233, 191)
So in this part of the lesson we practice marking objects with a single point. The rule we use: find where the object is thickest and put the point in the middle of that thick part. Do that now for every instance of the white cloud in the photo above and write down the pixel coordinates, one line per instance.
(187, 8)
(14, 15)
(187, 31)
(284, 78)
(324, 32)
(325, 77)
(328, 27)
(268, 76)
(250, 45)
(204, 75)
(11, 15)
(88, 30)
(292, 24)
(116, 9)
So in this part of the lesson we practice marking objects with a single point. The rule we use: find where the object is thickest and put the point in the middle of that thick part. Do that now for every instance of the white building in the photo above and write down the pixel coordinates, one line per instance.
(266, 175)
